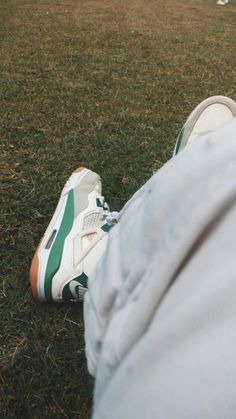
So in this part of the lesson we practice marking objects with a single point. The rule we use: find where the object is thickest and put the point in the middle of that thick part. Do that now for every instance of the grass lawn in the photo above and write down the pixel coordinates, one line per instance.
(99, 83)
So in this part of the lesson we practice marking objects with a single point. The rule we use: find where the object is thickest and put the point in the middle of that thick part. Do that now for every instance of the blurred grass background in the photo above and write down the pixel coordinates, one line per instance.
(104, 84)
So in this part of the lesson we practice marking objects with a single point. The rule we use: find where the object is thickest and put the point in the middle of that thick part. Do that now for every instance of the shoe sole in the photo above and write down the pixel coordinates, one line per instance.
(41, 256)
(187, 129)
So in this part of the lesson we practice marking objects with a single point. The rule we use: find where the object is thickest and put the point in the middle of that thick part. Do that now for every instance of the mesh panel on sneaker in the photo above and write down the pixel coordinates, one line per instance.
(92, 221)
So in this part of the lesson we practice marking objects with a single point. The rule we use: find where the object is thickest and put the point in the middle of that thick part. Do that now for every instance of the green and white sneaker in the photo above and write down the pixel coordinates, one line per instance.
(74, 241)
(207, 117)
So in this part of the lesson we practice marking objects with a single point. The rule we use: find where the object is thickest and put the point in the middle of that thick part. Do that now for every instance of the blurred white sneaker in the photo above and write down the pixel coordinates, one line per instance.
(207, 117)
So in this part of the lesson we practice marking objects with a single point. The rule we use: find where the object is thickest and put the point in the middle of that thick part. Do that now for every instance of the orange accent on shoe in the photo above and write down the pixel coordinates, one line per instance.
(33, 274)
(79, 169)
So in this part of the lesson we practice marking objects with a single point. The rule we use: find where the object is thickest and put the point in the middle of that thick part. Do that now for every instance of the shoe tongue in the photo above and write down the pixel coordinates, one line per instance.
(75, 289)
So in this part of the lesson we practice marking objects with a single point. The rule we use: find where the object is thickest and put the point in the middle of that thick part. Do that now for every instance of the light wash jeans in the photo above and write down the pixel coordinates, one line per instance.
(160, 313)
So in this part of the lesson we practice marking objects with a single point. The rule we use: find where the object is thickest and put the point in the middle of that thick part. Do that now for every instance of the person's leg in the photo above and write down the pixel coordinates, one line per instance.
(159, 229)
(159, 313)
(134, 233)
(76, 237)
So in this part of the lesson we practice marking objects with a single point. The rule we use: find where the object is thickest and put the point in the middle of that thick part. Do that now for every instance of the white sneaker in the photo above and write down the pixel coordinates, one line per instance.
(221, 2)
(207, 117)
(74, 241)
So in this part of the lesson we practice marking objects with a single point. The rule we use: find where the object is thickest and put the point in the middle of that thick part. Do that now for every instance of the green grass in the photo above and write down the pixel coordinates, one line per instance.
(103, 84)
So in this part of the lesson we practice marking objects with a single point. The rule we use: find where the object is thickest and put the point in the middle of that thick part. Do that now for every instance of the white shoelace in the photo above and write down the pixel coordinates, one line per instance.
(111, 217)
